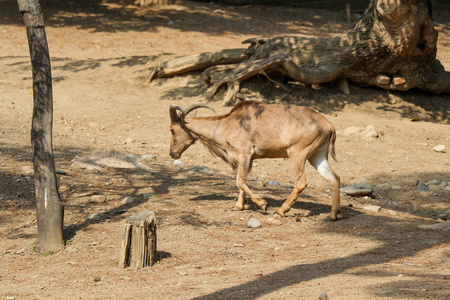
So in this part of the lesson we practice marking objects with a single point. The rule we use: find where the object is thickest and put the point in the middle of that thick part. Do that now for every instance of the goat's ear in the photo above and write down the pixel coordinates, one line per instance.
(173, 113)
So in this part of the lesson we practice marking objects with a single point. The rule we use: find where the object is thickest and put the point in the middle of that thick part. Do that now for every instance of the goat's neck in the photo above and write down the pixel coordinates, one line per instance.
(205, 128)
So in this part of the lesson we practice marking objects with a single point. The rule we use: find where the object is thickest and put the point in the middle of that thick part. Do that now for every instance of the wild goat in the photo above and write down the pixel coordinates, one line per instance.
(253, 130)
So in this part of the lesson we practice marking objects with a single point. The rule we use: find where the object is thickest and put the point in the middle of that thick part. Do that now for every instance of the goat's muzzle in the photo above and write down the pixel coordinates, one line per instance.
(175, 155)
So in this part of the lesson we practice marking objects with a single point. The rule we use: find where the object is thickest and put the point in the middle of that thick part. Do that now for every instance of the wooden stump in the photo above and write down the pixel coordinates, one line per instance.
(139, 241)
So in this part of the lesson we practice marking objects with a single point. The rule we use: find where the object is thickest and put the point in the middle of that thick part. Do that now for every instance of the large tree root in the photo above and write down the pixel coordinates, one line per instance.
(392, 46)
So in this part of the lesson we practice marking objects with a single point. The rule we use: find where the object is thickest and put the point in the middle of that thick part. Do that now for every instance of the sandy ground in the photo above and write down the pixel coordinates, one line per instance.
(101, 54)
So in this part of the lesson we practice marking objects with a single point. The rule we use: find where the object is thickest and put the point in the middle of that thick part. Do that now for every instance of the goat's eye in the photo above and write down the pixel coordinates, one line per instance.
(173, 131)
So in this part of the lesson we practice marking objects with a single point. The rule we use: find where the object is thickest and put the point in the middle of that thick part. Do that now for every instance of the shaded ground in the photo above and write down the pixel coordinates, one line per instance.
(101, 52)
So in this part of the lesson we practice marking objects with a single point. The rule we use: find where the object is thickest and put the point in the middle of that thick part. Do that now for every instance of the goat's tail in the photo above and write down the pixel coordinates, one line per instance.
(331, 148)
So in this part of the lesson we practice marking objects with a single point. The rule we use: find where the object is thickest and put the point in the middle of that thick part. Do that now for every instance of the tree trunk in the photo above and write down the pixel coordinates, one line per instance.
(392, 46)
(50, 211)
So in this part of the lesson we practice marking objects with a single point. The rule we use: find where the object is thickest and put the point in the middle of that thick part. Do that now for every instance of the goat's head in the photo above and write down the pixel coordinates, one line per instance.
(182, 137)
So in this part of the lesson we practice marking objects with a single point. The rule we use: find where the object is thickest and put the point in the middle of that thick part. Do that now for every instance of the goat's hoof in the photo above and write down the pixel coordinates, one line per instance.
(264, 207)
(330, 219)
(279, 212)
(235, 208)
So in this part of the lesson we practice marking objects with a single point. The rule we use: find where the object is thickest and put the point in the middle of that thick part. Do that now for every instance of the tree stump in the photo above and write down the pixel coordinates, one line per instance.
(139, 241)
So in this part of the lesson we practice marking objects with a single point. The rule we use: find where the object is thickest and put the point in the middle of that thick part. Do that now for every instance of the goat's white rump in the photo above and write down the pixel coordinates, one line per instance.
(253, 130)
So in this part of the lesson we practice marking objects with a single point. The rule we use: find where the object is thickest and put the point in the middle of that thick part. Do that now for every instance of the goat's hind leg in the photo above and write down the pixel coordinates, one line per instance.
(298, 170)
(320, 162)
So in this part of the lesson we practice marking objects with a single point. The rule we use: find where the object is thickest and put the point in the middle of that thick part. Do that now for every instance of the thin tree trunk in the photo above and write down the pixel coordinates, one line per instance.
(50, 211)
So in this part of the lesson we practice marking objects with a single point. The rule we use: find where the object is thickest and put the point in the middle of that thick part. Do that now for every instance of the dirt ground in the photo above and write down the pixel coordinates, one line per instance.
(101, 54)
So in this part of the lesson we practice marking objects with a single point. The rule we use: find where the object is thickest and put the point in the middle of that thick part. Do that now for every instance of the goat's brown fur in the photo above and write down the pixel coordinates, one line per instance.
(253, 130)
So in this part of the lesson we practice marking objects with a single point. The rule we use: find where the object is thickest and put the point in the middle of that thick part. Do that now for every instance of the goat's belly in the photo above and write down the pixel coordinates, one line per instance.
(270, 153)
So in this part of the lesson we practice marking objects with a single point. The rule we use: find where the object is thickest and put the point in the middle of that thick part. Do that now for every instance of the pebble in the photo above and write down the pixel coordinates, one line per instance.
(374, 208)
(323, 296)
(201, 169)
(273, 182)
(369, 132)
(64, 187)
(352, 130)
(273, 221)
(147, 196)
(97, 199)
(439, 148)
(178, 162)
(358, 190)
(422, 187)
(149, 157)
(393, 99)
(434, 182)
(95, 216)
(127, 200)
(253, 223)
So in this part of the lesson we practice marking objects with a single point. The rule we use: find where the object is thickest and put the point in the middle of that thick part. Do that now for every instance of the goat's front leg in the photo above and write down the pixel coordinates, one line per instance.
(241, 177)
(240, 203)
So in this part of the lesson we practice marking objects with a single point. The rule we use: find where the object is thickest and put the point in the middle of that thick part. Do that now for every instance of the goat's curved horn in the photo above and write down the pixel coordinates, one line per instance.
(174, 115)
(196, 106)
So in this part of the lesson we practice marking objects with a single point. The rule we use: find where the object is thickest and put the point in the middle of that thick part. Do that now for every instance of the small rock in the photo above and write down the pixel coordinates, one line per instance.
(398, 80)
(358, 190)
(323, 296)
(149, 157)
(273, 221)
(127, 200)
(369, 132)
(28, 170)
(238, 245)
(343, 86)
(64, 187)
(97, 278)
(178, 162)
(352, 130)
(439, 148)
(393, 99)
(273, 182)
(95, 216)
(253, 223)
(433, 182)
(443, 184)
(447, 187)
(97, 199)
(201, 169)
(422, 187)
(128, 141)
(374, 208)
(147, 196)
(383, 79)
